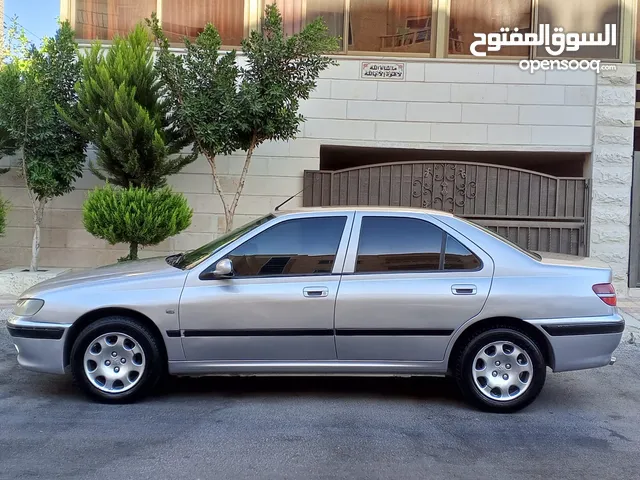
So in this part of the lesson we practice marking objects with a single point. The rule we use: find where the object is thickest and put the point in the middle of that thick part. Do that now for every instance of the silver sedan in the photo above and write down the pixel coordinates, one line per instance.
(346, 291)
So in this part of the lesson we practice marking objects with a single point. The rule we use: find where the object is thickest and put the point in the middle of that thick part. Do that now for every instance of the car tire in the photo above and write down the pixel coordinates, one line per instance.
(507, 381)
(117, 360)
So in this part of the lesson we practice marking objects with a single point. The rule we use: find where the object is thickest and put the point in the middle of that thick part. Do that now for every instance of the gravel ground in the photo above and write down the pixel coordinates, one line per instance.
(584, 425)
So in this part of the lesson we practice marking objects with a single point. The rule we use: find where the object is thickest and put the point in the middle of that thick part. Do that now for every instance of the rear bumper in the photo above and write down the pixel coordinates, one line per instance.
(581, 343)
(40, 345)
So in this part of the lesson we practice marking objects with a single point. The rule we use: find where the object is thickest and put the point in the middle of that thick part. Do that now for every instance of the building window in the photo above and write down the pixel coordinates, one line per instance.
(582, 17)
(305, 246)
(296, 14)
(103, 19)
(187, 18)
(487, 16)
(391, 26)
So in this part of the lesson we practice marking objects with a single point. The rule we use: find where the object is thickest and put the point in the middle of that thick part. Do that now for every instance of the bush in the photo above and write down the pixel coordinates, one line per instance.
(4, 209)
(136, 216)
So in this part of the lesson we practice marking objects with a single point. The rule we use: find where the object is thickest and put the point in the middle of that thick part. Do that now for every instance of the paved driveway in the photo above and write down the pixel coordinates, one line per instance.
(584, 425)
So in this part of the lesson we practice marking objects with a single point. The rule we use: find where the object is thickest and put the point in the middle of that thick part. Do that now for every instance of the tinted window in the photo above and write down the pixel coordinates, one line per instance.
(390, 244)
(294, 247)
(458, 257)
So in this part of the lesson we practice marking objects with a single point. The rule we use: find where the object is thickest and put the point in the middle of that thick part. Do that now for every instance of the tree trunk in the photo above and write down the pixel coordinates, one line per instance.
(38, 212)
(133, 251)
(243, 178)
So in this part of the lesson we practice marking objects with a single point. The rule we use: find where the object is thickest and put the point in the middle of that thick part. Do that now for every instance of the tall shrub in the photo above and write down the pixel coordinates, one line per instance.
(225, 107)
(121, 111)
(51, 154)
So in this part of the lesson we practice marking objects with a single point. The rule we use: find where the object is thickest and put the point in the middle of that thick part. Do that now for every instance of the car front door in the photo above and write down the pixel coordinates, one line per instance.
(407, 285)
(279, 303)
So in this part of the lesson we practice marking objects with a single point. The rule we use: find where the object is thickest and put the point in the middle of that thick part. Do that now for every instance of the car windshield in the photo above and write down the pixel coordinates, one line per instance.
(529, 253)
(192, 258)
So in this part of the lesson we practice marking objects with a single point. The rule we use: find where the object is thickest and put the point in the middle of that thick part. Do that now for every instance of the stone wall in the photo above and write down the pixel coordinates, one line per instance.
(461, 105)
(612, 162)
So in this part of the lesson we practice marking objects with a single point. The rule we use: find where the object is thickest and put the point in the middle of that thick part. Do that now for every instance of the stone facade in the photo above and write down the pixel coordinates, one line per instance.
(445, 105)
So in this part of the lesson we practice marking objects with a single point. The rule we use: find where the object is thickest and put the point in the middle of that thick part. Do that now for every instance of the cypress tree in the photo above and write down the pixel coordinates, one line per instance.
(122, 113)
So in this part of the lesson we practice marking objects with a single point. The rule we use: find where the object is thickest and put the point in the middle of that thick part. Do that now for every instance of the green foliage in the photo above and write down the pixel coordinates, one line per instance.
(201, 88)
(136, 215)
(4, 209)
(122, 112)
(30, 88)
(281, 70)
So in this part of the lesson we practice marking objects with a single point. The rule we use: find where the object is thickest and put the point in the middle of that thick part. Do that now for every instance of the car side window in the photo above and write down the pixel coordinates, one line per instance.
(459, 257)
(303, 246)
(394, 244)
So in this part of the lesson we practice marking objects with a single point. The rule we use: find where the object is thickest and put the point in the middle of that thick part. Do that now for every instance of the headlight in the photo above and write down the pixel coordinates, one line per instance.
(27, 307)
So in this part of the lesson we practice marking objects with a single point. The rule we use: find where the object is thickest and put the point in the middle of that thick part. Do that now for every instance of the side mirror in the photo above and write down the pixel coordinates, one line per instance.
(224, 268)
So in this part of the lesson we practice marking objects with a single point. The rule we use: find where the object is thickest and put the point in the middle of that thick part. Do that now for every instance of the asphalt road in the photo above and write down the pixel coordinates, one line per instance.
(584, 425)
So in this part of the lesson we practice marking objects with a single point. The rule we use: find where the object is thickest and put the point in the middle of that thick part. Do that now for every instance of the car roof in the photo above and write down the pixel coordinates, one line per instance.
(364, 209)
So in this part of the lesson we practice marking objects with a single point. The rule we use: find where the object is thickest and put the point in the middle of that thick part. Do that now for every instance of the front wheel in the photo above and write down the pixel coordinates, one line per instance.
(501, 370)
(116, 360)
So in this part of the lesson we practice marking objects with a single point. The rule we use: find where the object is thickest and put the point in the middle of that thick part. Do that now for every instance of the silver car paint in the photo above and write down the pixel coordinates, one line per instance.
(521, 287)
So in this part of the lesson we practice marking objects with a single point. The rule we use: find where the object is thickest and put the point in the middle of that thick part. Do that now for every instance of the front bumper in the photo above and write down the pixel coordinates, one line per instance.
(581, 343)
(40, 345)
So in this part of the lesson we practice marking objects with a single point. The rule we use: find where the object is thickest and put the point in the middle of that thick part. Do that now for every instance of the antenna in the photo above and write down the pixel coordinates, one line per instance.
(290, 198)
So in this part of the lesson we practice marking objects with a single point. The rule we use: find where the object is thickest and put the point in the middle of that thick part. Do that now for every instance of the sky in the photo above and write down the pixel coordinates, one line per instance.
(38, 17)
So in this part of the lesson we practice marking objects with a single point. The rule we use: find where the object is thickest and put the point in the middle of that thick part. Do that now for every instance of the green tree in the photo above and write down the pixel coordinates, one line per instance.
(121, 111)
(51, 154)
(224, 107)
(135, 215)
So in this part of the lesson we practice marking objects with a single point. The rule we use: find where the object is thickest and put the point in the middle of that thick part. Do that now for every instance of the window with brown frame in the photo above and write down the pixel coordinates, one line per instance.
(187, 18)
(297, 13)
(487, 16)
(578, 16)
(103, 19)
(404, 26)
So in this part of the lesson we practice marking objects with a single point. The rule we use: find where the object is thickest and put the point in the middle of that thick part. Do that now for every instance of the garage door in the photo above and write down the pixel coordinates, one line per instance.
(536, 211)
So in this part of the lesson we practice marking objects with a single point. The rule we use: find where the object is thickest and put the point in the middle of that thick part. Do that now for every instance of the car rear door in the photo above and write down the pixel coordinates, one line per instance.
(408, 283)
(279, 304)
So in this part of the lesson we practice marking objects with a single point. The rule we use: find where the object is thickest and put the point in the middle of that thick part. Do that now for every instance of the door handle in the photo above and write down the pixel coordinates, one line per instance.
(463, 289)
(315, 291)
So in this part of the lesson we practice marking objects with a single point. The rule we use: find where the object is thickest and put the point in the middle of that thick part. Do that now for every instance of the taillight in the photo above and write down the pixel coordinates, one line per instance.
(607, 293)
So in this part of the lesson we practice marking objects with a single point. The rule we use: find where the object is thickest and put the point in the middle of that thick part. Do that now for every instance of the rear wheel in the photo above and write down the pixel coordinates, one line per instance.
(116, 360)
(500, 370)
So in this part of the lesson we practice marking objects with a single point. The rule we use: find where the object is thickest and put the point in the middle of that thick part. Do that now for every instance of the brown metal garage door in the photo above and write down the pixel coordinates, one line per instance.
(536, 211)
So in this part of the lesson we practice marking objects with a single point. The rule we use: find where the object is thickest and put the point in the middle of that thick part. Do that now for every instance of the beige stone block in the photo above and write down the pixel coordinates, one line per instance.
(272, 149)
(582, 95)
(323, 108)
(88, 181)
(66, 219)
(17, 237)
(510, 74)
(440, 72)
(415, 72)
(604, 215)
(12, 256)
(500, 114)
(201, 203)
(72, 200)
(190, 241)
(200, 166)
(255, 205)
(478, 93)
(509, 134)
(376, 110)
(459, 133)
(614, 135)
(268, 186)
(189, 183)
(71, 239)
(403, 132)
(203, 223)
(322, 90)
(610, 196)
(614, 96)
(346, 69)
(570, 77)
(615, 116)
(535, 94)
(613, 154)
(17, 196)
(20, 217)
(353, 89)
(434, 112)
(621, 76)
(305, 147)
(562, 135)
(414, 92)
(234, 164)
(340, 129)
(12, 178)
(291, 167)
(609, 234)
(555, 115)
(613, 175)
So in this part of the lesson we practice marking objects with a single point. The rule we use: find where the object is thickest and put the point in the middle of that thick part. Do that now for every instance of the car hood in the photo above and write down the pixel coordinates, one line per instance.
(124, 270)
